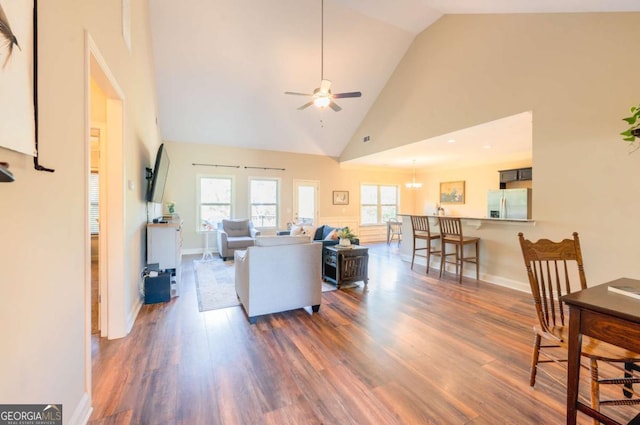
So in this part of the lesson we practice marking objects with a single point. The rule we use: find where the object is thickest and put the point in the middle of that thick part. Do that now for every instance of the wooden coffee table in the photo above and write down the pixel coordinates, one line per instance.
(341, 265)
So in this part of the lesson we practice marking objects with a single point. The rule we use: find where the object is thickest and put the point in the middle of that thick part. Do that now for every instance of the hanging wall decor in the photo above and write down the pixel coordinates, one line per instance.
(17, 52)
(18, 78)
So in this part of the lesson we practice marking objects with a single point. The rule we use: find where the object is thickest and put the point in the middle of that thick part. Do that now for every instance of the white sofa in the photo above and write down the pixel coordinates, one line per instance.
(279, 273)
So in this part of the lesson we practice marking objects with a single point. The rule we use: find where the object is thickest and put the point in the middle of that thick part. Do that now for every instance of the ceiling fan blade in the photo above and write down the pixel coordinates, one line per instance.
(297, 94)
(325, 85)
(349, 94)
(335, 106)
(306, 105)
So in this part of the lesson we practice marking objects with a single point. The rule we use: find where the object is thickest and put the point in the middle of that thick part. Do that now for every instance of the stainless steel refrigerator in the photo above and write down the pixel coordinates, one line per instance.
(509, 203)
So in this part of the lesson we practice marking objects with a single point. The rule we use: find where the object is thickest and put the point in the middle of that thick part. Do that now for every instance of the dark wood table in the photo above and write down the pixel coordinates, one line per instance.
(342, 265)
(604, 315)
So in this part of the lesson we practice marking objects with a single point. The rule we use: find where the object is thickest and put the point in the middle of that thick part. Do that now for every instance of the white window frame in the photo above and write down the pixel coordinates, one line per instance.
(199, 179)
(278, 181)
(379, 204)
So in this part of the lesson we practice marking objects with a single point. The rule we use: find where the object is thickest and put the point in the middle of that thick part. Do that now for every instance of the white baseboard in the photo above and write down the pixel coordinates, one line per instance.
(495, 280)
(192, 251)
(82, 412)
(131, 318)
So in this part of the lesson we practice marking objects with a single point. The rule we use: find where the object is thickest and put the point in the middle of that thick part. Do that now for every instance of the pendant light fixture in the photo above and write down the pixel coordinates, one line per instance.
(413, 184)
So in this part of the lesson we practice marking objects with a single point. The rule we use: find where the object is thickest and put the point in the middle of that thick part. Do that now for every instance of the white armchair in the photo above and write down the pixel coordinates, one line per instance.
(279, 273)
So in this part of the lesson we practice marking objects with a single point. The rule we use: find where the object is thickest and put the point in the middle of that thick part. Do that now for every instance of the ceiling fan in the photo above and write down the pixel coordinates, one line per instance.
(322, 96)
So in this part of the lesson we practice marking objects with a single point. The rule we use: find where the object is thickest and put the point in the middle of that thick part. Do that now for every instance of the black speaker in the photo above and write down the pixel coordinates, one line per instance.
(157, 289)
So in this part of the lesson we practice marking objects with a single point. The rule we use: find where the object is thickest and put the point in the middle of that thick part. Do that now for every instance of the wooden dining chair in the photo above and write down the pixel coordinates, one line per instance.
(422, 231)
(556, 269)
(451, 234)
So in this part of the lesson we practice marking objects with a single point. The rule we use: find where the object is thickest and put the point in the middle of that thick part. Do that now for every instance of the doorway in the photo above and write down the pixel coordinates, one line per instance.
(96, 137)
(305, 201)
(107, 104)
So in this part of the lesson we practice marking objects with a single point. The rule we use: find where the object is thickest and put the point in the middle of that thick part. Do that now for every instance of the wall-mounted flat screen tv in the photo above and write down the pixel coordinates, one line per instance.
(159, 177)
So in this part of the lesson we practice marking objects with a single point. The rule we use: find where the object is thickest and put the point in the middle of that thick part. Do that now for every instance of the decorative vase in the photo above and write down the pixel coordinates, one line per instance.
(345, 242)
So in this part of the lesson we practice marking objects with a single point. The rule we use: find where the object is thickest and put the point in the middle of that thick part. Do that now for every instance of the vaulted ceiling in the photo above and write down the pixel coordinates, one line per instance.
(222, 66)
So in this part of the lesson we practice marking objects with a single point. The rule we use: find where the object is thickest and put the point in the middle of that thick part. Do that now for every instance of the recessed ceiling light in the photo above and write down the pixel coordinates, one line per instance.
(451, 141)
(487, 146)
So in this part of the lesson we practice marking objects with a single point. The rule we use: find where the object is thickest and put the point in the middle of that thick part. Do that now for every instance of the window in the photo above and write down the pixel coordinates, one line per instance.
(94, 212)
(264, 198)
(378, 203)
(214, 200)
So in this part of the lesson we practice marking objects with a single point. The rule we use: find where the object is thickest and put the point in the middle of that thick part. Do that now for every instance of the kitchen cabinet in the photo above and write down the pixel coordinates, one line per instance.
(518, 174)
(508, 176)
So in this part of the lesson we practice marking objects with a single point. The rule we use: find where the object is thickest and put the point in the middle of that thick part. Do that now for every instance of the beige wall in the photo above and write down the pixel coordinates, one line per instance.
(478, 180)
(42, 215)
(578, 74)
(181, 182)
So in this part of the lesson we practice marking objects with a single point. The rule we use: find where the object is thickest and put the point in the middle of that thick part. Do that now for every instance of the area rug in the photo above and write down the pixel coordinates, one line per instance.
(215, 284)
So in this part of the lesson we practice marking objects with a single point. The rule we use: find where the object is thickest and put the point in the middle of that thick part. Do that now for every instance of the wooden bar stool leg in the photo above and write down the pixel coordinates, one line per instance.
(428, 255)
(477, 260)
(413, 256)
(443, 256)
(460, 259)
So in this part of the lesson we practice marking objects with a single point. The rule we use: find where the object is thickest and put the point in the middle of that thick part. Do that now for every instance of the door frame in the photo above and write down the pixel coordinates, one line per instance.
(112, 197)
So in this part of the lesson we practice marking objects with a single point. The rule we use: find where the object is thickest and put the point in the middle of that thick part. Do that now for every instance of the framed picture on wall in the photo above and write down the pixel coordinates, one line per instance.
(452, 192)
(340, 197)
(18, 75)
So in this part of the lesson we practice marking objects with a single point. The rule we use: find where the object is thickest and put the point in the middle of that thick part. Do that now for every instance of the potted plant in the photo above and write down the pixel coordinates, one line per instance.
(633, 132)
(346, 235)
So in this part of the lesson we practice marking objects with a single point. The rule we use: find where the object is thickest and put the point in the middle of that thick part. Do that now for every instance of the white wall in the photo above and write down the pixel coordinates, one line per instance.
(44, 329)
(578, 74)
(181, 184)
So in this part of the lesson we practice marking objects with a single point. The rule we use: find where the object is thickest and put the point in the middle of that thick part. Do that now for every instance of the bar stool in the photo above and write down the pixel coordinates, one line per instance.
(421, 230)
(394, 228)
(451, 233)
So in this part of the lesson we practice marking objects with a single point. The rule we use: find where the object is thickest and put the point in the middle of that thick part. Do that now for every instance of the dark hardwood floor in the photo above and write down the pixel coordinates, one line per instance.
(407, 349)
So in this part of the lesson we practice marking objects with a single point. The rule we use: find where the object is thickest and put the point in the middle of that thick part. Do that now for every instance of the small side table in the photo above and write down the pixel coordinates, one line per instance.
(341, 265)
(207, 255)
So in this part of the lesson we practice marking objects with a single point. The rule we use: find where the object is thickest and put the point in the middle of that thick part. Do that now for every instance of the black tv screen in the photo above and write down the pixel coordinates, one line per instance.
(159, 178)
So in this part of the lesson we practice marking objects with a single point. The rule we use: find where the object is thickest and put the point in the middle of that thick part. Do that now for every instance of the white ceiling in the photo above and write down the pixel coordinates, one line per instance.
(222, 66)
(503, 140)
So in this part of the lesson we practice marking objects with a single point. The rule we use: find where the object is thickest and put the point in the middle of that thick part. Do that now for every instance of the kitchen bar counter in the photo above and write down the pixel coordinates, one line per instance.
(501, 256)
(515, 220)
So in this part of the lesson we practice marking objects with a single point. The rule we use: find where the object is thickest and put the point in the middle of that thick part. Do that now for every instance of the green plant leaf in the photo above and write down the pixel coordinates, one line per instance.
(630, 120)
(629, 139)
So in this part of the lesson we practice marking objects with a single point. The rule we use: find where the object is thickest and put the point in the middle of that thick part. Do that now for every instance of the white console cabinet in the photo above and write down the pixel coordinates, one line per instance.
(164, 246)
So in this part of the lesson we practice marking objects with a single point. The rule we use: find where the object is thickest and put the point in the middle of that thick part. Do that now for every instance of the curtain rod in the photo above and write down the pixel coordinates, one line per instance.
(217, 165)
(237, 166)
(265, 168)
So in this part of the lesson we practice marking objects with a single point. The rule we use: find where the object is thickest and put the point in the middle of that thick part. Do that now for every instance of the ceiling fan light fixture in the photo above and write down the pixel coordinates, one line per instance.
(322, 101)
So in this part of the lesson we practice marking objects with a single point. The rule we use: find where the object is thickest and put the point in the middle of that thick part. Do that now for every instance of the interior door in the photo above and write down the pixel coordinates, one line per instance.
(305, 201)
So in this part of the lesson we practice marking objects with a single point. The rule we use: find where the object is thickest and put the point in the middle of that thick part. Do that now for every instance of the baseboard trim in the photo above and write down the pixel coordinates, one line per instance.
(495, 280)
(133, 314)
(82, 412)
